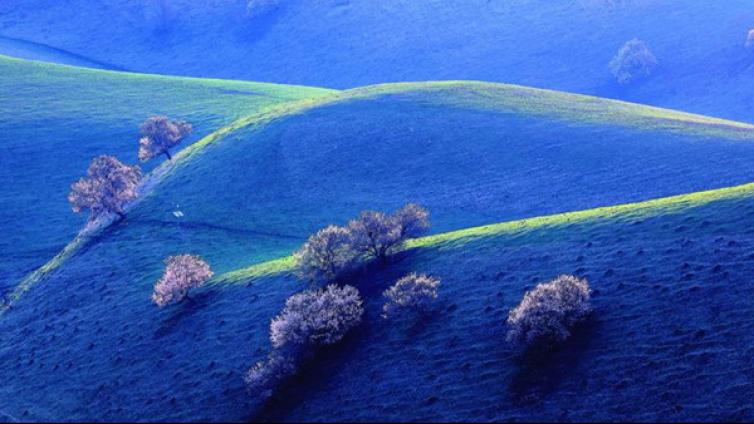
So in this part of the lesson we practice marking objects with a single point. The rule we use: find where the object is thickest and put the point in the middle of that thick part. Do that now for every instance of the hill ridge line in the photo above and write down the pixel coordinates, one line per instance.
(662, 205)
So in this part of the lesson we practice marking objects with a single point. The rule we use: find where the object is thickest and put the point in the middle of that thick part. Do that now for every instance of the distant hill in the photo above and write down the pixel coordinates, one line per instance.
(564, 45)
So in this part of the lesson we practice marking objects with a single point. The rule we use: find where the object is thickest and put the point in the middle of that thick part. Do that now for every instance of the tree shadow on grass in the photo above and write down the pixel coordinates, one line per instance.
(315, 373)
(181, 311)
(542, 368)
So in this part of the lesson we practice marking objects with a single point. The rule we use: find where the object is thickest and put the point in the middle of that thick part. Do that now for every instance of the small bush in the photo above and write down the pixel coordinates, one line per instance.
(412, 292)
(317, 317)
(633, 61)
(108, 186)
(264, 376)
(549, 311)
(182, 273)
(325, 255)
(159, 134)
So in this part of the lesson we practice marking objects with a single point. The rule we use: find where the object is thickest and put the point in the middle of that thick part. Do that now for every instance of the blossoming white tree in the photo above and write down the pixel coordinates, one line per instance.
(549, 311)
(159, 134)
(182, 273)
(412, 292)
(325, 255)
(317, 317)
(309, 319)
(378, 235)
(108, 185)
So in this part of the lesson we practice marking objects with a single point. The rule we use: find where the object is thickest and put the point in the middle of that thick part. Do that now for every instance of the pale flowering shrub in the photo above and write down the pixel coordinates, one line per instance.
(633, 61)
(107, 187)
(317, 317)
(413, 292)
(325, 255)
(182, 273)
(159, 134)
(264, 376)
(378, 235)
(548, 312)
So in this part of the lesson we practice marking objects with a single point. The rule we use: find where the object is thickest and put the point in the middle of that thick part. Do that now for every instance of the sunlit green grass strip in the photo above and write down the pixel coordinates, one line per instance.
(58, 70)
(30, 280)
(655, 207)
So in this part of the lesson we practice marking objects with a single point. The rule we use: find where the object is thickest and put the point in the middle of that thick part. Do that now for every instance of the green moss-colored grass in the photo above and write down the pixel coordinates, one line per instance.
(654, 207)
(32, 90)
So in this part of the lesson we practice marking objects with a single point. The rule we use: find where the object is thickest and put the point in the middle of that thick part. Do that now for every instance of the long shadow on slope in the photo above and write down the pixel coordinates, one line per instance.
(541, 369)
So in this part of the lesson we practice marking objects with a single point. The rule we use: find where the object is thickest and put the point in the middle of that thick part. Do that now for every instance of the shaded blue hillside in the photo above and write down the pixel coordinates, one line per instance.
(84, 341)
(564, 45)
(671, 299)
(55, 119)
(670, 338)
(472, 153)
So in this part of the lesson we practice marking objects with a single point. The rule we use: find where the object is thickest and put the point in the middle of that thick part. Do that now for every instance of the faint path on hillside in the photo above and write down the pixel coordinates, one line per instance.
(29, 50)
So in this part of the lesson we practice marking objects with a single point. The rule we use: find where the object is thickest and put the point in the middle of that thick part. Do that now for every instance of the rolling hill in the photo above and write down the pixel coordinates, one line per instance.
(84, 341)
(54, 119)
(565, 45)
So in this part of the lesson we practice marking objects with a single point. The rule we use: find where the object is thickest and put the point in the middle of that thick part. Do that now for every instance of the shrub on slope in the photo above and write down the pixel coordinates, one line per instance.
(310, 319)
(549, 311)
(412, 292)
(182, 273)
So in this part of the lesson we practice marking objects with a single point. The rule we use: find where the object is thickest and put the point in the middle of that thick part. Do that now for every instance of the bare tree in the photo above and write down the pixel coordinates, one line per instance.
(109, 184)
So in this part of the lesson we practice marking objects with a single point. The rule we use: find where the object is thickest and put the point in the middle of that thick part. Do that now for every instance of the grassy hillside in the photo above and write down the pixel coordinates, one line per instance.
(86, 342)
(54, 119)
(564, 45)
(670, 337)
(669, 298)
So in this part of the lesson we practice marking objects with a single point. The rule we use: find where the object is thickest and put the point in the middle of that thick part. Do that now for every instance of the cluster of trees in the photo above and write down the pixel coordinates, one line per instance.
(633, 61)
(110, 184)
(330, 252)
(320, 317)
